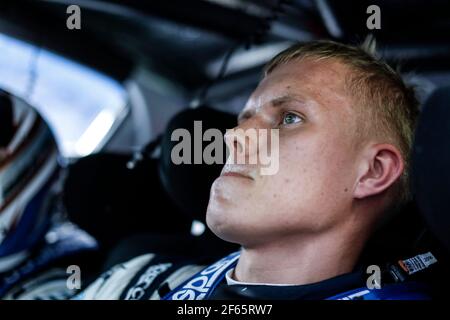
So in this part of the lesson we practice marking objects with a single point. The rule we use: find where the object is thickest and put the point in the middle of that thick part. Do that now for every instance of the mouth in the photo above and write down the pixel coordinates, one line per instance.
(236, 174)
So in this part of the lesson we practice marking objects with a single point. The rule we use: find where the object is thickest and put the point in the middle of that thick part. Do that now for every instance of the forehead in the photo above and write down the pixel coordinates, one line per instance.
(321, 81)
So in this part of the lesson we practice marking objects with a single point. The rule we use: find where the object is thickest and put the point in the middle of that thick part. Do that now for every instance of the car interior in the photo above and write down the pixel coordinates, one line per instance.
(163, 65)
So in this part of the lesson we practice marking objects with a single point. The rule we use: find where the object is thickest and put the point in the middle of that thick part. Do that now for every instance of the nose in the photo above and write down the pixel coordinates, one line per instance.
(242, 142)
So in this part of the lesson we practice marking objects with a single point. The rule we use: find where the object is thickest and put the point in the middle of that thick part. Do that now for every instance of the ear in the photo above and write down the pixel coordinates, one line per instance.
(382, 166)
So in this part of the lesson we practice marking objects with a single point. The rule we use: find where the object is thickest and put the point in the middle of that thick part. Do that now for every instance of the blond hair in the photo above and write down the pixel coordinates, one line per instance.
(390, 107)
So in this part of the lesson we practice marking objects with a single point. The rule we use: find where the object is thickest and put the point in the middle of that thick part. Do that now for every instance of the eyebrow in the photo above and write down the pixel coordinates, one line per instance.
(283, 99)
(277, 102)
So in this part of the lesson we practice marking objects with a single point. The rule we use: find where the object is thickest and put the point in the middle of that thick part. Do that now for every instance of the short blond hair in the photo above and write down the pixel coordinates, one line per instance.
(391, 105)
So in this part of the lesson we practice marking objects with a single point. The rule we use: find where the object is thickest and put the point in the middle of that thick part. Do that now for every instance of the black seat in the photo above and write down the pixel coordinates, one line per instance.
(112, 202)
(431, 164)
(431, 180)
(157, 199)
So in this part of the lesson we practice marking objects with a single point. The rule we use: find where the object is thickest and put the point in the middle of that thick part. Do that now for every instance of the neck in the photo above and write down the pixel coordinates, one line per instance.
(300, 259)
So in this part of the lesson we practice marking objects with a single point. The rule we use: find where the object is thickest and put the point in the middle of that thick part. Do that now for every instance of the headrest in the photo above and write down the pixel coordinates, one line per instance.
(189, 184)
(431, 164)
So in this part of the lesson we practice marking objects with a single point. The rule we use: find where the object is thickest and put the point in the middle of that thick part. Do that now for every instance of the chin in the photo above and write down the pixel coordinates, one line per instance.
(215, 220)
(219, 222)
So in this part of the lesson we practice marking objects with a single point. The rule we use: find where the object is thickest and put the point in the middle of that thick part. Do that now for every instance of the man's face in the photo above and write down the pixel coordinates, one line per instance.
(312, 190)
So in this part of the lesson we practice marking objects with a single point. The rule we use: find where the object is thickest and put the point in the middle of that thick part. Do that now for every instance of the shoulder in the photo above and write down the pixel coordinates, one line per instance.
(48, 285)
(140, 278)
(110, 284)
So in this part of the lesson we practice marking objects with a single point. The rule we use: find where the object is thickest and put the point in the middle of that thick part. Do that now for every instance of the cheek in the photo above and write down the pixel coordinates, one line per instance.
(314, 170)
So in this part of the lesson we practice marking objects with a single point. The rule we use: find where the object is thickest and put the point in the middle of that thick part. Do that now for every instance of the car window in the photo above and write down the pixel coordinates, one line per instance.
(82, 106)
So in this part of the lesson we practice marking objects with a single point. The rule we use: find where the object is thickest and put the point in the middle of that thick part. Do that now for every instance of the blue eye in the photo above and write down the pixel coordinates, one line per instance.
(291, 118)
